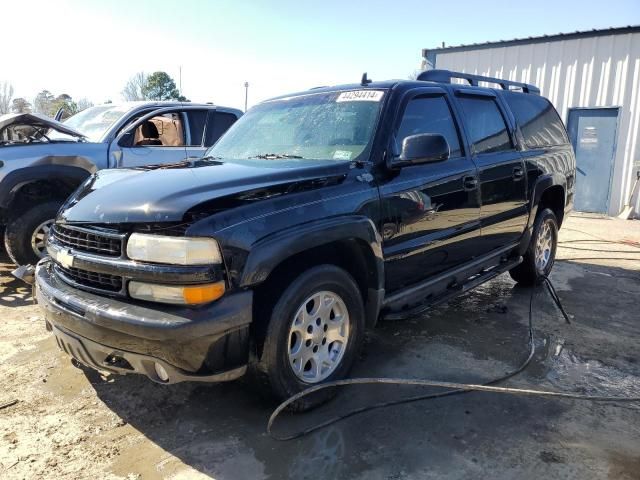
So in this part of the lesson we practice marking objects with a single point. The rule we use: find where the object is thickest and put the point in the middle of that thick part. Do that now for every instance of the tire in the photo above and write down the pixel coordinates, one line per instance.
(529, 272)
(21, 228)
(310, 338)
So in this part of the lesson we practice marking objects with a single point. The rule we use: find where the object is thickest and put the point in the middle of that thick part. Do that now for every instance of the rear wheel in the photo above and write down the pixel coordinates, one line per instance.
(25, 235)
(314, 334)
(541, 254)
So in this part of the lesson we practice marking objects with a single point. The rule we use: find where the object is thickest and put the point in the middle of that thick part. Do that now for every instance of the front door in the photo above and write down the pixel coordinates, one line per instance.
(162, 139)
(593, 133)
(429, 211)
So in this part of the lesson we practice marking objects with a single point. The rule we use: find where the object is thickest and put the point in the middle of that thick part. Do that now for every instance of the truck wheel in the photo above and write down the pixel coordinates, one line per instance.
(539, 257)
(314, 334)
(25, 234)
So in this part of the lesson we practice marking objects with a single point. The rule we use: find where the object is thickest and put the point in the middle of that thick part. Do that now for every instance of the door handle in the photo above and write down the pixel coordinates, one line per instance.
(470, 183)
(518, 173)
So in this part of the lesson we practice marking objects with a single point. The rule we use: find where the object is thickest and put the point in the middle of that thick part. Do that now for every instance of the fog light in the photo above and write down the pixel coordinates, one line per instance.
(161, 372)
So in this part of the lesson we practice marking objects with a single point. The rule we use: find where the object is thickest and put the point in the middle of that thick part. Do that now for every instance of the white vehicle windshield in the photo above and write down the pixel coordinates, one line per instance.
(317, 126)
(93, 122)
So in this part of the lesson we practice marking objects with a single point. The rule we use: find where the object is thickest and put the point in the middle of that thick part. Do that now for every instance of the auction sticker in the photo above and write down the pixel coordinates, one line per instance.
(342, 155)
(360, 96)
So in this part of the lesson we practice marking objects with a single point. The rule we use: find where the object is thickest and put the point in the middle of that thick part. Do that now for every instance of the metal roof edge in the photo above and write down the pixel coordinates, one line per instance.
(529, 40)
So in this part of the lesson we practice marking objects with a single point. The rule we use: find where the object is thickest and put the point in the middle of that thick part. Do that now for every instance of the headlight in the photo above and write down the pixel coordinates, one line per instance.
(173, 250)
(177, 294)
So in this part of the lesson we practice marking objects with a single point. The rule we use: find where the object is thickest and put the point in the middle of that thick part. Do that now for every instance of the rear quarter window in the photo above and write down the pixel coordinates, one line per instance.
(539, 122)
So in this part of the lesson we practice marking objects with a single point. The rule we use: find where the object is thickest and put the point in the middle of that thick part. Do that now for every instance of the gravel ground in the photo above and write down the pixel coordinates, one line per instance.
(70, 423)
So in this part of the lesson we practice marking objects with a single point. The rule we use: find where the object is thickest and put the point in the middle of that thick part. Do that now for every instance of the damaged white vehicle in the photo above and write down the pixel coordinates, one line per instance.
(42, 161)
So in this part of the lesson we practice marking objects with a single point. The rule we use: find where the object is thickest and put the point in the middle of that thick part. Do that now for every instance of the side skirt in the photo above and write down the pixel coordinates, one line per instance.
(447, 285)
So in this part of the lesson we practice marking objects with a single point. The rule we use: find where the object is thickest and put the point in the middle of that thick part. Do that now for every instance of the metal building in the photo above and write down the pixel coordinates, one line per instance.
(593, 79)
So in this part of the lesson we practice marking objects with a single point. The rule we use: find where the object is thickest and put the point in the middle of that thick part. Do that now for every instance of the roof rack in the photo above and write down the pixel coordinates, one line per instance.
(445, 76)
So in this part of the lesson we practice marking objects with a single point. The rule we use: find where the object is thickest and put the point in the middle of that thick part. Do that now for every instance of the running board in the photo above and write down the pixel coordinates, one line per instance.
(448, 285)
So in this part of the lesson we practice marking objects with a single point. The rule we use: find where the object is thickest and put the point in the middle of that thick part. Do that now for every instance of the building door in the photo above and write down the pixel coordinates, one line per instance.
(593, 133)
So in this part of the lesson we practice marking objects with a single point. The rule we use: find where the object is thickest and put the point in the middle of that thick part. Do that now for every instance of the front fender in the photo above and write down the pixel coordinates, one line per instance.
(269, 252)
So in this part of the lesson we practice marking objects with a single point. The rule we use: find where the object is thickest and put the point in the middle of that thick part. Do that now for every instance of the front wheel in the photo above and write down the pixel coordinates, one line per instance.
(541, 253)
(26, 233)
(314, 334)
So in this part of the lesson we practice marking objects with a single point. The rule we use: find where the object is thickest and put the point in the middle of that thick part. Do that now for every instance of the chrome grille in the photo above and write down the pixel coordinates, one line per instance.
(92, 280)
(85, 240)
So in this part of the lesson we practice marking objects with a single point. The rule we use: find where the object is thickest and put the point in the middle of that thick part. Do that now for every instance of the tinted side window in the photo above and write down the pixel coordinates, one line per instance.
(217, 124)
(197, 119)
(429, 115)
(539, 122)
(485, 124)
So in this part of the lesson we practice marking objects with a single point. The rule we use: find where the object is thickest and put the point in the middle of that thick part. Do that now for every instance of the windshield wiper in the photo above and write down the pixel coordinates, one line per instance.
(275, 156)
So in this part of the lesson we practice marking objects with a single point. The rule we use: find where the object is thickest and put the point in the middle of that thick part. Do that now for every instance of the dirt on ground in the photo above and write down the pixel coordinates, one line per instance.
(71, 423)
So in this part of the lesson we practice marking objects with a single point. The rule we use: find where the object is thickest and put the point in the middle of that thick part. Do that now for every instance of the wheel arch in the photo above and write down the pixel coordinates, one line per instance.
(351, 243)
(58, 181)
(549, 192)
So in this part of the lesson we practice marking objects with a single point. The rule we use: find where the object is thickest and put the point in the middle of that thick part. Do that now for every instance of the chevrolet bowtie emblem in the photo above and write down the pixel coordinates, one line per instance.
(65, 258)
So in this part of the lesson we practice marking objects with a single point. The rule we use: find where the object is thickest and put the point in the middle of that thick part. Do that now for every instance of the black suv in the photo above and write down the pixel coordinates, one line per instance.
(313, 216)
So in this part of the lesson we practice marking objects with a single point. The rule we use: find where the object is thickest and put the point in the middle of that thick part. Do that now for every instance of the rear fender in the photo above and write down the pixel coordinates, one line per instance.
(542, 184)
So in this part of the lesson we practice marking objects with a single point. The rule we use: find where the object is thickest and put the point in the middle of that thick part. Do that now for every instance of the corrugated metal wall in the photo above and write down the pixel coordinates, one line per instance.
(599, 71)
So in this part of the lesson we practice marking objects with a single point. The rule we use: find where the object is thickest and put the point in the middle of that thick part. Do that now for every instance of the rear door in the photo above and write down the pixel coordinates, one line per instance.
(430, 212)
(503, 186)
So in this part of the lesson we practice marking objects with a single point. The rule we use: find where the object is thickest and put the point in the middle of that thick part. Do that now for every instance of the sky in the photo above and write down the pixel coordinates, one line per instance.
(90, 48)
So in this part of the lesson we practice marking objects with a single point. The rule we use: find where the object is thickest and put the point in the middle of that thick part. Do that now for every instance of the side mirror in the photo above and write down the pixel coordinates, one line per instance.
(422, 148)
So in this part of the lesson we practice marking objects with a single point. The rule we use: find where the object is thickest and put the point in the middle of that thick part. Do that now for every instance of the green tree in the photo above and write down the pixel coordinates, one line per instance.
(64, 102)
(20, 105)
(160, 86)
(42, 102)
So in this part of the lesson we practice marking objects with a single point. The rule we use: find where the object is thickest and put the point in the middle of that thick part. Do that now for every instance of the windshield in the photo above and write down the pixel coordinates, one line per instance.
(322, 126)
(93, 122)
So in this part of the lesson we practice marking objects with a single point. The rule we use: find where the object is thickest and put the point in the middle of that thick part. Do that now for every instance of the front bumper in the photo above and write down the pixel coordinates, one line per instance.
(209, 344)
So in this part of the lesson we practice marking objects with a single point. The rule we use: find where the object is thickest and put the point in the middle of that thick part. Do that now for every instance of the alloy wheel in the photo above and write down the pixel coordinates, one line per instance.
(318, 336)
(544, 246)
(39, 238)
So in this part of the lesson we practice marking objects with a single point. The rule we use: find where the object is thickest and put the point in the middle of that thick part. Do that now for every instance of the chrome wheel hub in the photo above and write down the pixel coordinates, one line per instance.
(39, 238)
(318, 336)
(544, 246)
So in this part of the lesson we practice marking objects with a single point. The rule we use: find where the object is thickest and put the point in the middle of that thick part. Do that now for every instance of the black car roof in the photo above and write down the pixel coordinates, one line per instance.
(381, 85)
(436, 78)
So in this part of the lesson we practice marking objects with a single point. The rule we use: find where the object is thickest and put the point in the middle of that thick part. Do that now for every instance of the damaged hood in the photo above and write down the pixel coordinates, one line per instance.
(166, 194)
(36, 120)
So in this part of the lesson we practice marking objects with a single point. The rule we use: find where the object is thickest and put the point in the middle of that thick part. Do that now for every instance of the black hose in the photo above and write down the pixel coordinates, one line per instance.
(454, 388)
(556, 299)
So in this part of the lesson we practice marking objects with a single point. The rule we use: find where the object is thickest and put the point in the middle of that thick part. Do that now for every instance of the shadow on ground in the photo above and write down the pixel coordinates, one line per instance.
(13, 292)
(219, 430)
